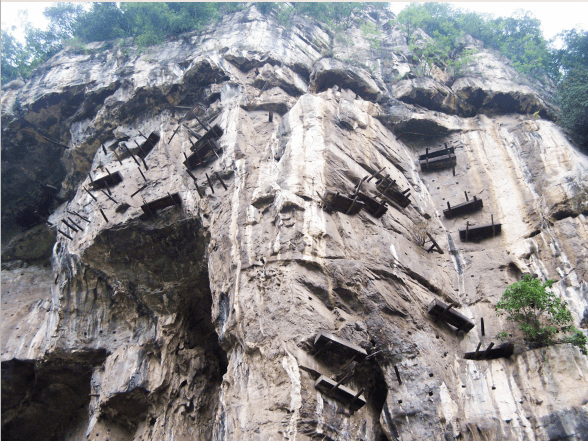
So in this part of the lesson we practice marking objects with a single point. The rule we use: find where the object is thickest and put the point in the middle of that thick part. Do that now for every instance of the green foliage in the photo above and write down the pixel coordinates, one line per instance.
(573, 101)
(519, 37)
(539, 313)
(371, 33)
(501, 336)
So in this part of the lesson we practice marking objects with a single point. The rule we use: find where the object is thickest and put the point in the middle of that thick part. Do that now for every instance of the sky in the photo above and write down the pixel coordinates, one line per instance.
(554, 16)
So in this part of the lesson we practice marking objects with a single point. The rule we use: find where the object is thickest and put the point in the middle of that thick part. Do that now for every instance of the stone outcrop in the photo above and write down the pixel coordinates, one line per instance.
(198, 321)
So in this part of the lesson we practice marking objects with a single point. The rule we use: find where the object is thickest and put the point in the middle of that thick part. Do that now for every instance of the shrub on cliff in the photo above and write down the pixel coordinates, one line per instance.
(539, 314)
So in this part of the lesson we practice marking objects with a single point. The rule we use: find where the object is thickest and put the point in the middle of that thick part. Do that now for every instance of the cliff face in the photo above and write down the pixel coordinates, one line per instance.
(199, 321)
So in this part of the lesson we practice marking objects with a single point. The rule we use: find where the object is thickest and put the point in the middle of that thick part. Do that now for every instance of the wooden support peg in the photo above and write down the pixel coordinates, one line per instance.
(78, 215)
(453, 171)
(448, 206)
(209, 182)
(397, 375)
(174, 134)
(141, 134)
(91, 180)
(93, 197)
(271, 116)
(70, 226)
(109, 197)
(220, 180)
(103, 149)
(144, 178)
(486, 351)
(467, 230)
(66, 235)
(482, 325)
(205, 127)
(73, 223)
(103, 215)
(466, 195)
(139, 190)
(117, 157)
(477, 349)
(132, 156)
(142, 155)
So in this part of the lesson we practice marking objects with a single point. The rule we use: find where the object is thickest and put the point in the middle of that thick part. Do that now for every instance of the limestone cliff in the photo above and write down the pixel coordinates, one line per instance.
(198, 321)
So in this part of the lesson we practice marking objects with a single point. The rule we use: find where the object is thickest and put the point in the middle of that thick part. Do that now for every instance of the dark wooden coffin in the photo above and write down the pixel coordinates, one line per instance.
(160, 204)
(109, 180)
(213, 134)
(503, 350)
(450, 316)
(340, 393)
(372, 206)
(464, 208)
(481, 232)
(388, 188)
(201, 155)
(339, 346)
(148, 145)
(343, 204)
(437, 153)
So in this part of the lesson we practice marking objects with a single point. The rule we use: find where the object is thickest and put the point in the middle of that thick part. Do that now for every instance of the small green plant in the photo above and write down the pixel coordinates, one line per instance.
(501, 336)
(540, 314)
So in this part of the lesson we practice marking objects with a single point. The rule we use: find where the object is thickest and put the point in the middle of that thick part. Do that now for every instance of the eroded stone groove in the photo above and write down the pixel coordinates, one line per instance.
(199, 320)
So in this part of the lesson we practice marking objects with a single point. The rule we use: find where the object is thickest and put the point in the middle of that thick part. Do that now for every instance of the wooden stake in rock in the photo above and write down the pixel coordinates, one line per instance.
(103, 215)
(482, 325)
(271, 115)
(139, 190)
(88, 191)
(144, 178)
(66, 235)
(78, 215)
(109, 197)
(117, 157)
(73, 223)
(103, 149)
(221, 181)
(70, 226)
(397, 375)
(209, 182)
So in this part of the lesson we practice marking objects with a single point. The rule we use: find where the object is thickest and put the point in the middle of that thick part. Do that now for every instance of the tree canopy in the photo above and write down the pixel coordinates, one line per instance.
(519, 37)
(539, 313)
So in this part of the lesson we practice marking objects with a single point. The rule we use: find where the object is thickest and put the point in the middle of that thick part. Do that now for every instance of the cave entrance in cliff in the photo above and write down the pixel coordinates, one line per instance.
(370, 375)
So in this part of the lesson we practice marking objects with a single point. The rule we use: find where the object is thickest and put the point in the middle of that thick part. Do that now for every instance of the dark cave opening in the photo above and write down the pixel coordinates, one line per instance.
(41, 400)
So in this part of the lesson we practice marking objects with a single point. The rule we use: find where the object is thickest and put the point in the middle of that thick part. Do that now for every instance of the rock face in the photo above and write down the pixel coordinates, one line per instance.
(198, 321)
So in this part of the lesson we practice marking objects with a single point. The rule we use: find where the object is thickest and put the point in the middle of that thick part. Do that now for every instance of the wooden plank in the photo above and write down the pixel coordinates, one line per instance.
(503, 350)
(481, 232)
(160, 204)
(372, 206)
(343, 204)
(339, 345)
(148, 145)
(451, 316)
(109, 180)
(388, 188)
(340, 393)
(463, 208)
(437, 153)
(438, 163)
(214, 133)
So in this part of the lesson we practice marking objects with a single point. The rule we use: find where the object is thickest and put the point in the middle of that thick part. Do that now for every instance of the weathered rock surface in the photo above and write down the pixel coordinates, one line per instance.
(199, 322)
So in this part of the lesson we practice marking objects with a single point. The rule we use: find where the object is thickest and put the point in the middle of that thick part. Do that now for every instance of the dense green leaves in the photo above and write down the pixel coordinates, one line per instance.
(539, 313)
